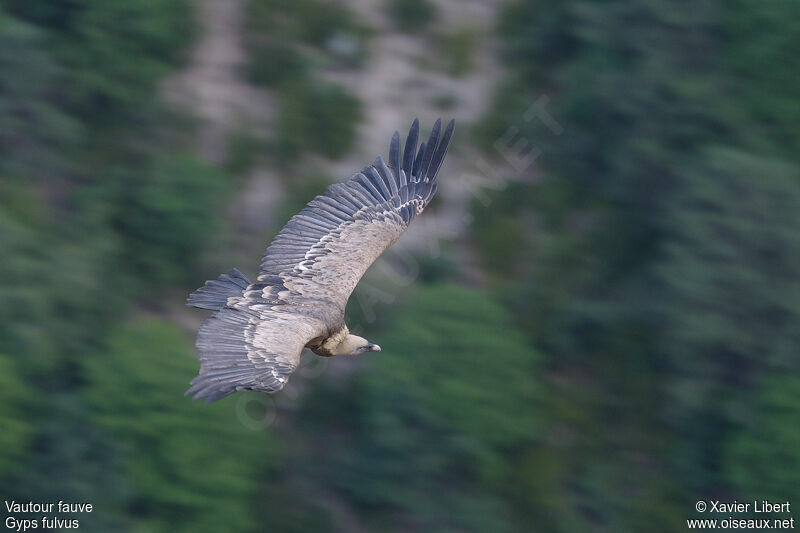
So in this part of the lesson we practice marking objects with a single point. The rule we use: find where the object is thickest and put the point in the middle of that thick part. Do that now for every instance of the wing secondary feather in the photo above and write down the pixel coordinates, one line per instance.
(249, 349)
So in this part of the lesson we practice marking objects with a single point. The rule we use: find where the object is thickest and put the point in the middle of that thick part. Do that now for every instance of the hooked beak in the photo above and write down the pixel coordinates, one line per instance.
(374, 348)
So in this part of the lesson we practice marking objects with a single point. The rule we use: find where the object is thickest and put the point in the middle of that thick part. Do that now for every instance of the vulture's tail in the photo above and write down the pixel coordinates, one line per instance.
(215, 293)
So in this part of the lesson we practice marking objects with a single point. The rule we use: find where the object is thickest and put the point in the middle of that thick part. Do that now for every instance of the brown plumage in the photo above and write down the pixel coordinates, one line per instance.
(254, 339)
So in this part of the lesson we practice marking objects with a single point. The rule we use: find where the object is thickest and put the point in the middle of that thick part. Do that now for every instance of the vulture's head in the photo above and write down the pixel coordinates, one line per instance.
(355, 345)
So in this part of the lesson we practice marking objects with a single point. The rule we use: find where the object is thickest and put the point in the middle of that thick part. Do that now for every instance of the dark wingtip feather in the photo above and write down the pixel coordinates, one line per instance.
(394, 151)
(410, 148)
(395, 161)
(441, 150)
(430, 147)
(386, 176)
(418, 160)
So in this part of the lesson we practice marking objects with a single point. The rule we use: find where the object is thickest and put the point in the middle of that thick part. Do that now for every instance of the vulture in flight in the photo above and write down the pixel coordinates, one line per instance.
(254, 338)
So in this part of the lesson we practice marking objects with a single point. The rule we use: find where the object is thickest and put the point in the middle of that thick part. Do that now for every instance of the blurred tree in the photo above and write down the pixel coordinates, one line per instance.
(650, 253)
(412, 16)
(427, 438)
(288, 41)
(458, 50)
(314, 22)
(763, 457)
(726, 274)
(35, 133)
(16, 429)
(165, 216)
(316, 116)
(112, 53)
(71, 459)
(27, 306)
(76, 106)
(288, 38)
(758, 43)
(187, 466)
(276, 62)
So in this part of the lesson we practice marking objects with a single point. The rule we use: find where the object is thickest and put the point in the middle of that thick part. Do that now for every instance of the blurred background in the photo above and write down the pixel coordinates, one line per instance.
(595, 325)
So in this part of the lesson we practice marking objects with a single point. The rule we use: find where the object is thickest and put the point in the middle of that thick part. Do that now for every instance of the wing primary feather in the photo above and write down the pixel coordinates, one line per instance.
(410, 148)
(418, 161)
(387, 176)
(344, 196)
(429, 148)
(404, 194)
(362, 195)
(299, 233)
(334, 206)
(430, 193)
(309, 224)
(312, 218)
(369, 186)
(394, 151)
(319, 211)
(394, 178)
(289, 239)
(441, 150)
(412, 190)
(372, 174)
(396, 164)
(288, 249)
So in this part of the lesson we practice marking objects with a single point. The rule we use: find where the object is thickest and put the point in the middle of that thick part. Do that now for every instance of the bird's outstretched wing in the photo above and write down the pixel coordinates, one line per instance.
(254, 340)
(325, 249)
(250, 348)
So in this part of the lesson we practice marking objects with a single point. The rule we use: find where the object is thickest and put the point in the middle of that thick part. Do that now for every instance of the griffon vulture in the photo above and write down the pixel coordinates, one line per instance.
(254, 339)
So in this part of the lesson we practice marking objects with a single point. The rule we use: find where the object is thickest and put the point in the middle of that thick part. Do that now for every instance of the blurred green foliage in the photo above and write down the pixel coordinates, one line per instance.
(763, 456)
(275, 63)
(188, 467)
(431, 419)
(96, 213)
(163, 217)
(316, 116)
(35, 131)
(16, 429)
(412, 16)
(242, 152)
(111, 53)
(288, 40)
(313, 22)
(655, 246)
(458, 48)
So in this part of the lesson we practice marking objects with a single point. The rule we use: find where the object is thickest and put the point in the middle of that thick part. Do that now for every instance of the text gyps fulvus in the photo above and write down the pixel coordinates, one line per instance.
(254, 339)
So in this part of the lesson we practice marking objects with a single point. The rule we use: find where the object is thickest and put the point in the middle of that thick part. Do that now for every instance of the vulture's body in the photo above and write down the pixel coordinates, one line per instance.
(254, 339)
